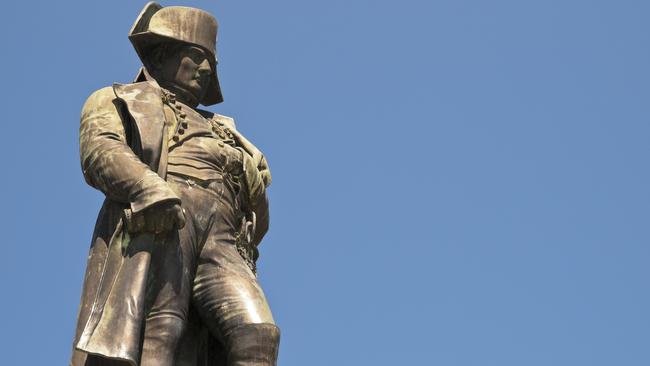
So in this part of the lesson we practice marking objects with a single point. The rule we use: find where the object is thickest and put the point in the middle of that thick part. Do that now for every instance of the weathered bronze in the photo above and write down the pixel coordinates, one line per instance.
(170, 278)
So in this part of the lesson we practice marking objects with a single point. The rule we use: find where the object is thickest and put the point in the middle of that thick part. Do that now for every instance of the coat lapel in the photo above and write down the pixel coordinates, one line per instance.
(143, 101)
(114, 325)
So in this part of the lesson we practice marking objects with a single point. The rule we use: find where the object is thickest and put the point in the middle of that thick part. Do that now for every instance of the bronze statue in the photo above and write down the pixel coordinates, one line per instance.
(170, 278)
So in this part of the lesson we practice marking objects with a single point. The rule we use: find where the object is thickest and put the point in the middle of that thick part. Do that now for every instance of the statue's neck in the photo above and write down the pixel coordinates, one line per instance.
(181, 94)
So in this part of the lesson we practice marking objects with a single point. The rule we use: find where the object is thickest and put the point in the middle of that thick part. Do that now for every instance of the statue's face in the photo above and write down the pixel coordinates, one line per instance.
(188, 68)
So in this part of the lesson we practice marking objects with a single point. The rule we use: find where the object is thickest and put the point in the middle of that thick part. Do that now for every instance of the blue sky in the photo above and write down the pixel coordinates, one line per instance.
(458, 183)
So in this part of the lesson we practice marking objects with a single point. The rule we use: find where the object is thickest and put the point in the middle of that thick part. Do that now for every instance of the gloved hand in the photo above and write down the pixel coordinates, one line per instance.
(259, 161)
(255, 181)
(158, 218)
(264, 170)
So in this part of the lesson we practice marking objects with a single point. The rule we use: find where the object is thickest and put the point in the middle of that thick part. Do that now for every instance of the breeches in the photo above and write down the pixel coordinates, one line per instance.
(199, 268)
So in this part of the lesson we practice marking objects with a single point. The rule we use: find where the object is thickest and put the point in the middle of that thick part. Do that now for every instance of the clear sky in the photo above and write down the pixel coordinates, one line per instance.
(457, 183)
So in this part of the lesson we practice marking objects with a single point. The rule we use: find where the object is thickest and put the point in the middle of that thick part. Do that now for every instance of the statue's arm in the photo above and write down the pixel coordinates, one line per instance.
(109, 164)
(259, 178)
(255, 187)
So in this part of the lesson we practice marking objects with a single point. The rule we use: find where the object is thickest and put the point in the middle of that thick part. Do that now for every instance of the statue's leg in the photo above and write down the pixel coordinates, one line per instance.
(229, 298)
(233, 306)
(253, 344)
(168, 294)
(171, 276)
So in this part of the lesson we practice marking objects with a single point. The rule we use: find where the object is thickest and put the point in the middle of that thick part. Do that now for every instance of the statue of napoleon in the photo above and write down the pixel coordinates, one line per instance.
(171, 276)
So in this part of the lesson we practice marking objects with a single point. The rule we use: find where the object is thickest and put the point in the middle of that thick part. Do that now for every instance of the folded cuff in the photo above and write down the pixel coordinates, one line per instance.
(149, 191)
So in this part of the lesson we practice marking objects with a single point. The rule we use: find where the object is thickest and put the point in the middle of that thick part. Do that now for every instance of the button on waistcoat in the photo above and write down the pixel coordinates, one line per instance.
(199, 147)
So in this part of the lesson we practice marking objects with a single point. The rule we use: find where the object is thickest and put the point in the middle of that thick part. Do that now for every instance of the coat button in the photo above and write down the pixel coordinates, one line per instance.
(176, 138)
(182, 115)
(181, 131)
(184, 125)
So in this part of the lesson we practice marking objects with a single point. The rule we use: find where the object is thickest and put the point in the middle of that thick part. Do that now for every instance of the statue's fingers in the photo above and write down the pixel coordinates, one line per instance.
(150, 222)
(159, 223)
(263, 165)
(257, 158)
(138, 223)
(180, 218)
(266, 177)
(168, 220)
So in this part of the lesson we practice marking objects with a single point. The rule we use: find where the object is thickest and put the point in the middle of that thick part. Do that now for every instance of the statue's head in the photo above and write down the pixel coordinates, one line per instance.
(177, 46)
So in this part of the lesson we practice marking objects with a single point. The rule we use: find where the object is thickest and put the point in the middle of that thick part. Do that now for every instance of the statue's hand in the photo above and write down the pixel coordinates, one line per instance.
(264, 170)
(259, 161)
(254, 180)
(159, 218)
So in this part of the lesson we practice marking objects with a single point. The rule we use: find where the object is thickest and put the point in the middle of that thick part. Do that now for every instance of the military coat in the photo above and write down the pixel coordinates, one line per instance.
(123, 149)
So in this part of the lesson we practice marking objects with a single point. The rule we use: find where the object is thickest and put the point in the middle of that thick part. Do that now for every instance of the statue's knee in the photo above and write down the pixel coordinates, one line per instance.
(253, 344)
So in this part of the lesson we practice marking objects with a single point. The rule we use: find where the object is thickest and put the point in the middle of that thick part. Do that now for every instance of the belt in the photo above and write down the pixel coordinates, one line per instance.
(193, 181)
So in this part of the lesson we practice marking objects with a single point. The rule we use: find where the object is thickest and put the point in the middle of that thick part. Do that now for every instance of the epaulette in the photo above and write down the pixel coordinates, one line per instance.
(225, 120)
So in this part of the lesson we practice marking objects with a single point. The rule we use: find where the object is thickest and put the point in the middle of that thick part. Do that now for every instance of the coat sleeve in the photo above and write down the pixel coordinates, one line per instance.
(108, 163)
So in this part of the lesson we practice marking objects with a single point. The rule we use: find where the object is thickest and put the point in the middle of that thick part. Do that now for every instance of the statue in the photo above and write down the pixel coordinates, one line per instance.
(170, 278)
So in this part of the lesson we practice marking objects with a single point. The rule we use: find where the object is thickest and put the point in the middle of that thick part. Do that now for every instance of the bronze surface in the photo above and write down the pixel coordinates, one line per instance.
(170, 278)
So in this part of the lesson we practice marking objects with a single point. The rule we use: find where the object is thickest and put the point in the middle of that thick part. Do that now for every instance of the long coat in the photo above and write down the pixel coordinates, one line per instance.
(123, 148)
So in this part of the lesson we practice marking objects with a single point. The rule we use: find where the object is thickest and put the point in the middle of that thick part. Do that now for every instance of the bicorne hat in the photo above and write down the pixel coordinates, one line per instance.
(157, 24)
